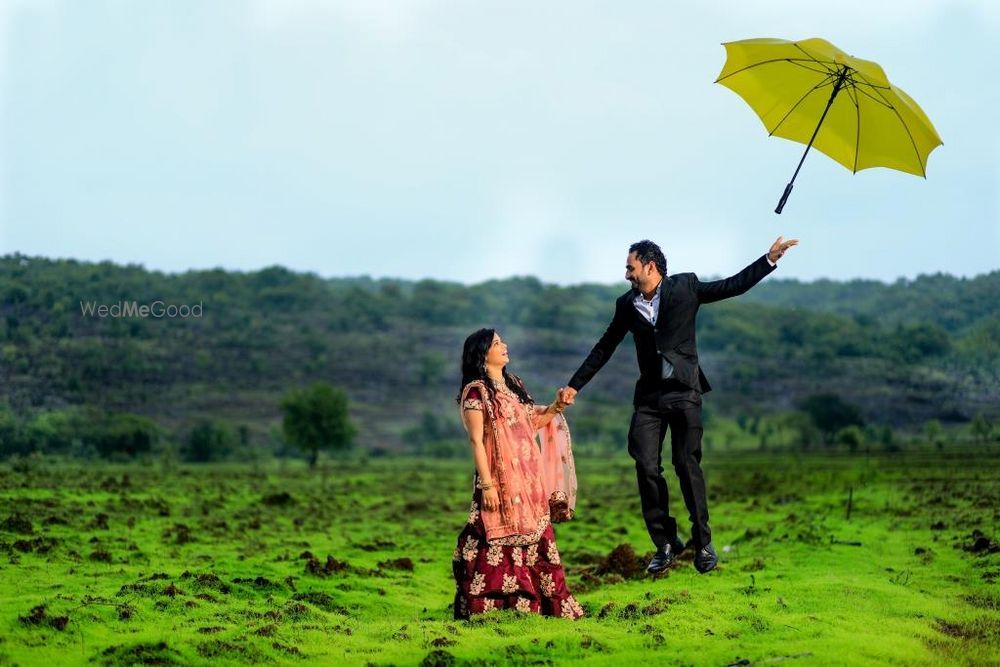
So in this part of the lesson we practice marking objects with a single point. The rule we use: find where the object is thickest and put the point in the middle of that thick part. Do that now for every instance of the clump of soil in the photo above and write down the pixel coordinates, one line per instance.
(161, 506)
(297, 611)
(285, 648)
(397, 564)
(146, 653)
(17, 523)
(438, 658)
(125, 611)
(259, 582)
(980, 544)
(208, 580)
(220, 648)
(100, 555)
(332, 566)
(321, 600)
(180, 532)
(268, 630)
(283, 498)
(39, 545)
(623, 561)
(377, 545)
(172, 591)
(38, 617)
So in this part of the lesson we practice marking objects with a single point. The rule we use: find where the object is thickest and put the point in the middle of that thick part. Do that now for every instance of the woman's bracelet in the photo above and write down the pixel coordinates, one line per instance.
(486, 486)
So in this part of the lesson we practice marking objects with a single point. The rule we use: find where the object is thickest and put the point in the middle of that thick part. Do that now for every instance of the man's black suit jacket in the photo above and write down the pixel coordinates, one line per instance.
(674, 333)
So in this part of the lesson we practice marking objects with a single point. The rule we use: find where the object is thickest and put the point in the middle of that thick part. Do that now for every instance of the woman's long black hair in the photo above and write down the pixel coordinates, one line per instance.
(474, 366)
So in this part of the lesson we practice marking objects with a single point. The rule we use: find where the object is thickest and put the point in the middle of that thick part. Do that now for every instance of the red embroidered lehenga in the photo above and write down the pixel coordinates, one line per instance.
(507, 558)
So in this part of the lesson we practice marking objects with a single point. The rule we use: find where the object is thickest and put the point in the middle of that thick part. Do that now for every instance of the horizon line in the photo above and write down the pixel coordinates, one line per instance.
(17, 255)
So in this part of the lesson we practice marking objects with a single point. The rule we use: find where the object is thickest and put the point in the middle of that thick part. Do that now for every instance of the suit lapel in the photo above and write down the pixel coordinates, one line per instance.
(666, 296)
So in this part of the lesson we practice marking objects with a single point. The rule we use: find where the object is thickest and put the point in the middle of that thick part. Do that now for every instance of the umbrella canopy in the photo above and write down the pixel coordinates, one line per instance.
(812, 92)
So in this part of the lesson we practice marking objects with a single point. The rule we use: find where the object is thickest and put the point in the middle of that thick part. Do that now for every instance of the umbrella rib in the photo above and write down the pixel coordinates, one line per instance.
(866, 82)
(831, 70)
(794, 61)
(920, 161)
(799, 61)
(874, 99)
(819, 85)
(857, 133)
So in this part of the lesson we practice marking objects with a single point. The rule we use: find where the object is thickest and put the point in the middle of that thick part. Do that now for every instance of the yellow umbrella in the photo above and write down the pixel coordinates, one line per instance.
(793, 87)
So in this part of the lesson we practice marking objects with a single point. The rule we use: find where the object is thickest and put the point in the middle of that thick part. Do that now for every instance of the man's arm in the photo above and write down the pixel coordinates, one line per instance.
(717, 290)
(605, 347)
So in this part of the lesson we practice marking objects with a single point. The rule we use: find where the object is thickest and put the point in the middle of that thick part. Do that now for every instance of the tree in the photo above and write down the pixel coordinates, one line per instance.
(852, 436)
(316, 418)
(121, 434)
(981, 428)
(934, 433)
(209, 441)
(830, 414)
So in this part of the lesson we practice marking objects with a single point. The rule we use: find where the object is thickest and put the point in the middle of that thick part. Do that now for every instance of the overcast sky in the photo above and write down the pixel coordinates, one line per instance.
(467, 140)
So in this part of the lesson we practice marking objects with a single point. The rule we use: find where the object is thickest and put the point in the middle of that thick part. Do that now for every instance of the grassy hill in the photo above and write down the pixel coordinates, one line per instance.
(903, 353)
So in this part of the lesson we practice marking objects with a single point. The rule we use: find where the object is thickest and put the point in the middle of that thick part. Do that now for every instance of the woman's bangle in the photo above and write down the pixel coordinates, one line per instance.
(486, 486)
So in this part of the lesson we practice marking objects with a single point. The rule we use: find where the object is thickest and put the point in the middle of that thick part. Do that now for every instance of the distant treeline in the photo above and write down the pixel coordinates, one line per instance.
(903, 354)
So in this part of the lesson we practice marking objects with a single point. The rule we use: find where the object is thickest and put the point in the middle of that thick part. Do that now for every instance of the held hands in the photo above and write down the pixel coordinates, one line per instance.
(559, 404)
(779, 247)
(566, 396)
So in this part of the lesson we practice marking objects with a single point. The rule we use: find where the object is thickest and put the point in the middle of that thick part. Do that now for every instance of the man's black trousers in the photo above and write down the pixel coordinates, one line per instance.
(677, 409)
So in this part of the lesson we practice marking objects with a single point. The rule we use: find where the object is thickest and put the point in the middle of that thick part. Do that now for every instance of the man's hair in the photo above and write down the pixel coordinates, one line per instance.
(646, 251)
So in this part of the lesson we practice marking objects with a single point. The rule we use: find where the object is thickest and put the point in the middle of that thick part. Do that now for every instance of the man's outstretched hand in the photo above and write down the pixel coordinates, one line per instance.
(779, 247)
(567, 395)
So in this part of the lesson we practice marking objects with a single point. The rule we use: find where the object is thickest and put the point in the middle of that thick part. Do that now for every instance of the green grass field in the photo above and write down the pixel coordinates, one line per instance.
(350, 564)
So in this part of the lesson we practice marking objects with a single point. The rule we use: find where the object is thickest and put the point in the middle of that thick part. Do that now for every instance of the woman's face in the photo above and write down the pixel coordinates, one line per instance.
(497, 354)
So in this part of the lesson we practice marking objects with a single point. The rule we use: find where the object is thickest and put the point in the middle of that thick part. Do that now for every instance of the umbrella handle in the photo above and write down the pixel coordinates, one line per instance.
(784, 198)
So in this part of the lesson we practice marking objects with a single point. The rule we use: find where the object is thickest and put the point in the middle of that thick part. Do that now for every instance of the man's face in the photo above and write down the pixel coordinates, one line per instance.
(636, 273)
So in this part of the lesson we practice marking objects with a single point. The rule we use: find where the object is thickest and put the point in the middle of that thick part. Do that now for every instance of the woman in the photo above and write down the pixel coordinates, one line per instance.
(507, 556)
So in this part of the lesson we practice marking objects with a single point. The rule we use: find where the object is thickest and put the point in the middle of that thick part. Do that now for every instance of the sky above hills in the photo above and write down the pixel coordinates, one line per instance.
(475, 140)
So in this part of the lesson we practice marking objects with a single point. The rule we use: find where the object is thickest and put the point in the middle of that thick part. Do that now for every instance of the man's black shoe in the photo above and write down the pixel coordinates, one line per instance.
(706, 559)
(662, 559)
(678, 545)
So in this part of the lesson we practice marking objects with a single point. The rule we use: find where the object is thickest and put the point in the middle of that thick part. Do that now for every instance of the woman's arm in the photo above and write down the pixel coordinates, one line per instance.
(474, 424)
(544, 414)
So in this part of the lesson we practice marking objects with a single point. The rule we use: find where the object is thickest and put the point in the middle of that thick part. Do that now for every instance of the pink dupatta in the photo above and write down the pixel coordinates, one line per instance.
(531, 466)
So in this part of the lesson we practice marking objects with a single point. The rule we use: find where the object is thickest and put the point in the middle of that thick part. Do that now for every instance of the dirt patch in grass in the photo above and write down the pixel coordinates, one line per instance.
(334, 566)
(221, 648)
(146, 653)
(179, 533)
(979, 629)
(259, 582)
(979, 543)
(439, 658)
(983, 601)
(278, 499)
(321, 600)
(17, 523)
(397, 564)
(285, 648)
(38, 617)
(100, 556)
(268, 630)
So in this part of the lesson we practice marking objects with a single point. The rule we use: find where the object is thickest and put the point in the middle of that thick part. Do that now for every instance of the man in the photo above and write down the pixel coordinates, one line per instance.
(660, 312)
